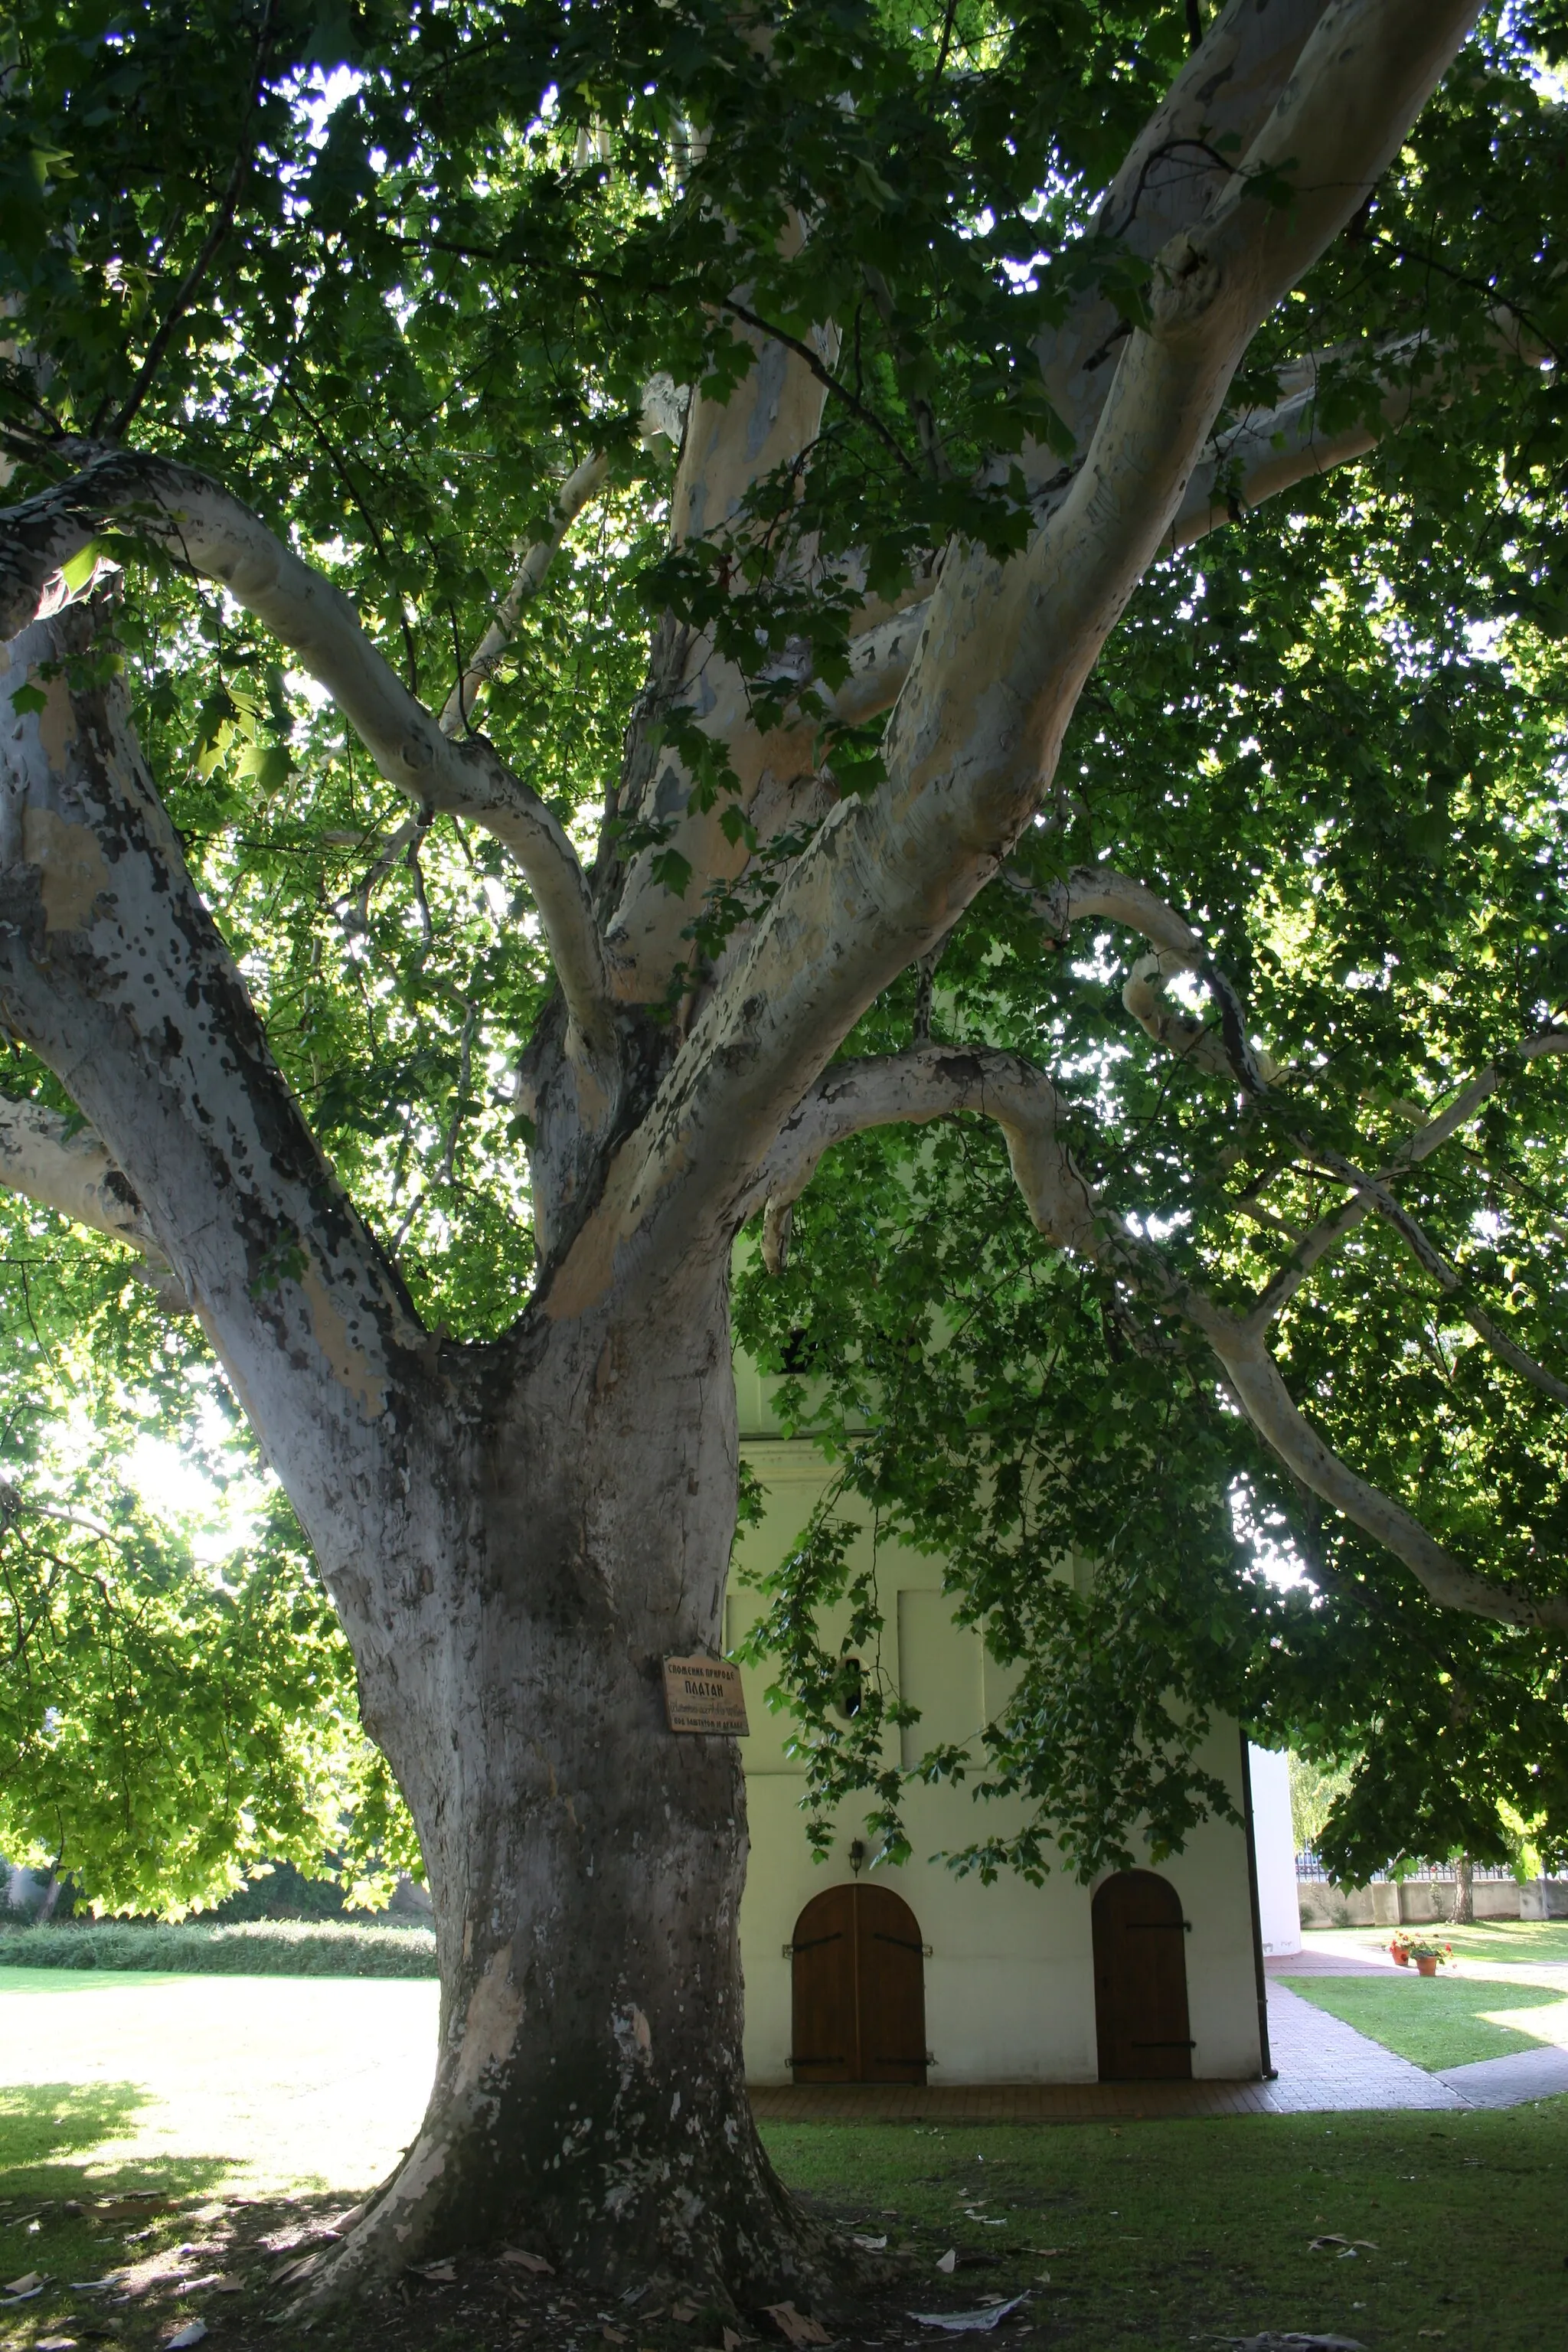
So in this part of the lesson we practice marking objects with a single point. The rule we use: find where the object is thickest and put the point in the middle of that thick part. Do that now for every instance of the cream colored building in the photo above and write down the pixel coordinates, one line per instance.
(1010, 1978)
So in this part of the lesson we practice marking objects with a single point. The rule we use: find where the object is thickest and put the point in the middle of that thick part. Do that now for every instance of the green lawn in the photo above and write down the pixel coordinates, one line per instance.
(204, 2086)
(1440, 2020)
(1508, 1939)
(1211, 2231)
(1210, 2235)
(265, 2082)
(1492, 1940)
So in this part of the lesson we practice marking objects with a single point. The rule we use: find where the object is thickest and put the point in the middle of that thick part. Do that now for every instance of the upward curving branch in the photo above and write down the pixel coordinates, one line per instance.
(1229, 1054)
(581, 486)
(114, 973)
(204, 531)
(936, 1082)
(977, 732)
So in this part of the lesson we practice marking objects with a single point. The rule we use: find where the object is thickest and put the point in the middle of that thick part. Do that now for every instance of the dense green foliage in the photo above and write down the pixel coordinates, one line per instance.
(270, 1948)
(390, 310)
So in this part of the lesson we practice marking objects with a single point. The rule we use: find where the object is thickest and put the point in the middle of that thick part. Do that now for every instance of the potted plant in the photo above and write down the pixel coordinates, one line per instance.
(1399, 1948)
(1429, 1957)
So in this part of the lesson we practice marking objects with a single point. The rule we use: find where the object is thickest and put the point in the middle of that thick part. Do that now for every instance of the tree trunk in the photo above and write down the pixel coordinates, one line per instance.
(1464, 1892)
(586, 1864)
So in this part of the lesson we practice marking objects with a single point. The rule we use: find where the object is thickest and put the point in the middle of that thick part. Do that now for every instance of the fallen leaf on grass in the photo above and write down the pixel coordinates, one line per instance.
(795, 2327)
(527, 2262)
(191, 2333)
(291, 2271)
(1272, 2341)
(869, 2245)
(1046, 2253)
(685, 2312)
(31, 2282)
(733, 2342)
(969, 2323)
(1349, 2245)
(55, 2343)
(949, 2261)
(615, 2336)
(439, 2274)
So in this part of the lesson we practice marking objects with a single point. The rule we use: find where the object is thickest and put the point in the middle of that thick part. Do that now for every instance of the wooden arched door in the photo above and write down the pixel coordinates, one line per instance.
(1141, 1980)
(859, 2011)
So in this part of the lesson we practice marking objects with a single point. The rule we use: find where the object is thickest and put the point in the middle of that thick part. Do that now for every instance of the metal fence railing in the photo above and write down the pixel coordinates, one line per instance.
(1309, 1867)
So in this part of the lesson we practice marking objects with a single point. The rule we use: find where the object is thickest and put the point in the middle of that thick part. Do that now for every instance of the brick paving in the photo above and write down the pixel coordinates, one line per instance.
(1323, 2065)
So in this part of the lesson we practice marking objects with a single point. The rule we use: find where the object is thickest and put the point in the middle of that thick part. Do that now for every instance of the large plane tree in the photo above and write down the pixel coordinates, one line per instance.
(565, 655)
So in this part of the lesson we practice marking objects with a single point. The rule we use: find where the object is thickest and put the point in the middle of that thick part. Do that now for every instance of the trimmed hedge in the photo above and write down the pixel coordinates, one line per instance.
(270, 1948)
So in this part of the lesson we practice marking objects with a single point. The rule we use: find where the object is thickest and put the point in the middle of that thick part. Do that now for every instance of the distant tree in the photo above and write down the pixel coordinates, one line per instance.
(1314, 1792)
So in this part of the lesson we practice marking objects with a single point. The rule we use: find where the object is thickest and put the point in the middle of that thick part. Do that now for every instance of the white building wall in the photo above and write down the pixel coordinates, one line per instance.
(1279, 1909)
(1010, 1981)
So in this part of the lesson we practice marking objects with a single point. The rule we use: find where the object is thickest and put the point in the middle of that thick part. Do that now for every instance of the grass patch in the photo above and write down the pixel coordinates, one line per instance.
(1209, 2235)
(1507, 1939)
(1490, 1939)
(1212, 2221)
(280, 1947)
(273, 2083)
(1434, 2022)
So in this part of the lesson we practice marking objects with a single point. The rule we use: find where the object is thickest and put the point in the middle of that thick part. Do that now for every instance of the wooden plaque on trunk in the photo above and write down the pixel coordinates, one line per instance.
(704, 1695)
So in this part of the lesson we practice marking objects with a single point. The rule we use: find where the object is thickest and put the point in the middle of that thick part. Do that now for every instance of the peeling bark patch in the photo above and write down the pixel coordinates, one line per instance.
(72, 866)
(57, 725)
(491, 2027)
(419, 2175)
(634, 2036)
(350, 1364)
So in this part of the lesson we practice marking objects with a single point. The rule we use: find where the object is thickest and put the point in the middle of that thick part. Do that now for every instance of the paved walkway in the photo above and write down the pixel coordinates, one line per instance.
(1323, 2066)
(1509, 2082)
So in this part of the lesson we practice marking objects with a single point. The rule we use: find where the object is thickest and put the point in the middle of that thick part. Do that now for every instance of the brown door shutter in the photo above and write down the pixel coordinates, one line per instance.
(825, 2045)
(858, 1976)
(892, 1989)
(1141, 1980)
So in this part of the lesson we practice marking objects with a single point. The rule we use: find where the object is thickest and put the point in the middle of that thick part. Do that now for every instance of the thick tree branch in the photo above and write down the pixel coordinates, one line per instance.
(1267, 452)
(1259, 1388)
(934, 1082)
(63, 1166)
(976, 737)
(769, 423)
(1187, 153)
(938, 1081)
(204, 531)
(114, 973)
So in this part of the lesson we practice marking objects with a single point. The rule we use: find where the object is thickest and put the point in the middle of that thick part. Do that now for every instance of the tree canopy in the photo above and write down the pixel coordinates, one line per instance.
(430, 289)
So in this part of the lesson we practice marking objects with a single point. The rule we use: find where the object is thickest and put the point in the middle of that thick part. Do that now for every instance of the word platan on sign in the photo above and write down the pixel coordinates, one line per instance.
(704, 1695)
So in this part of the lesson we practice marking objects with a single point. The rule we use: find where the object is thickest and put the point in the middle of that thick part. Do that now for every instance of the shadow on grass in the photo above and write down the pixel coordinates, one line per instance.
(44, 2126)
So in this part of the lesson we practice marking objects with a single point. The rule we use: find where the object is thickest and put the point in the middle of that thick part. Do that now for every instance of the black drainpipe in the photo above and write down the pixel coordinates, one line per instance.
(1267, 2071)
